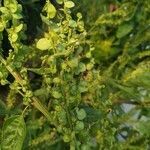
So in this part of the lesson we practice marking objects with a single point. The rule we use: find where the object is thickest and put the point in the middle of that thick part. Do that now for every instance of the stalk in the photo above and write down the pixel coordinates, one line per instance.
(35, 101)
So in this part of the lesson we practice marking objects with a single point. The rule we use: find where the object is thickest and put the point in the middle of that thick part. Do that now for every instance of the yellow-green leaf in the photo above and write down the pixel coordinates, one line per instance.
(56, 94)
(43, 44)
(69, 4)
(51, 11)
(59, 1)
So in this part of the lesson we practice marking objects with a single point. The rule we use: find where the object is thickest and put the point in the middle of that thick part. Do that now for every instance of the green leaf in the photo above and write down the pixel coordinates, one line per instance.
(56, 80)
(17, 16)
(14, 37)
(92, 115)
(12, 7)
(3, 109)
(79, 15)
(72, 23)
(43, 44)
(66, 138)
(81, 68)
(41, 93)
(13, 133)
(89, 66)
(1, 26)
(83, 87)
(69, 4)
(4, 10)
(143, 127)
(123, 30)
(79, 125)
(81, 114)
(19, 28)
(56, 94)
(50, 9)
(73, 63)
(59, 1)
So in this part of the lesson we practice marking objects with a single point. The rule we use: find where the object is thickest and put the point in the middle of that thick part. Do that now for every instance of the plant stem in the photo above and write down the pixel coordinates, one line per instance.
(35, 101)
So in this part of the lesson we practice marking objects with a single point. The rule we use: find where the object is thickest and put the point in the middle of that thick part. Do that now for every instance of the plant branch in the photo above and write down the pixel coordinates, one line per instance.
(35, 101)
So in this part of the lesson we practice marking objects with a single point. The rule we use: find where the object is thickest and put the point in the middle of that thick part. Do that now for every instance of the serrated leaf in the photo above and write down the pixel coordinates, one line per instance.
(43, 44)
(13, 133)
(123, 30)
(69, 4)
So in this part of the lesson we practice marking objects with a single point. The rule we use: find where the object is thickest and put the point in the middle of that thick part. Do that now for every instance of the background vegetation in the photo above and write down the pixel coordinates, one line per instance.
(75, 75)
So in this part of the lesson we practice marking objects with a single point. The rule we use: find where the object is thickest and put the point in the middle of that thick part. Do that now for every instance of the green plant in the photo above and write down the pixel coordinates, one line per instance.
(66, 87)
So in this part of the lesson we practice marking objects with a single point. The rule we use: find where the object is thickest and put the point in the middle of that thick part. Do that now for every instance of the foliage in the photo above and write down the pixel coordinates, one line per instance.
(74, 78)
(13, 130)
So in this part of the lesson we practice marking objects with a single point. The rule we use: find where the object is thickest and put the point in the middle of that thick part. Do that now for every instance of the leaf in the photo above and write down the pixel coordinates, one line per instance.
(3, 109)
(140, 76)
(123, 30)
(4, 10)
(59, 1)
(73, 63)
(19, 28)
(72, 23)
(17, 16)
(43, 44)
(50, 10)
(56, 80)
(79, 125)
(81, 68)
(56, 94)
(79, 15)
(83, 87)
(41, 93)
(81, 114)
(1, 26)
(92, 115)
(13, 133)
(143, 127)
(89, 66)
(69, 4)
(14, 37)
(12, 7)
(66, 138)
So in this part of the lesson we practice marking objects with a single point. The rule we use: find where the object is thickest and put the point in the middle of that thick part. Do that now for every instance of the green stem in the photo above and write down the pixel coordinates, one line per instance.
(37, 104)
(35, 101)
